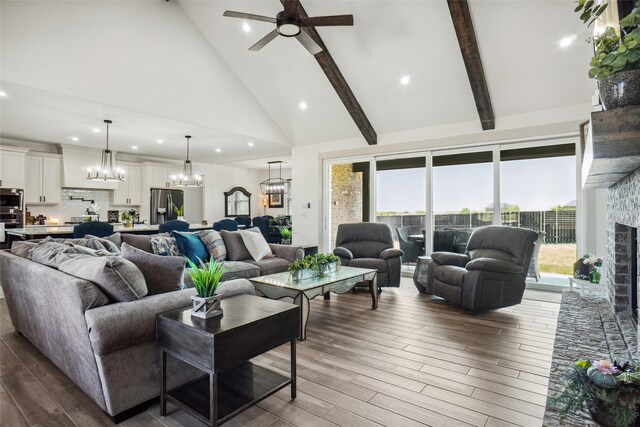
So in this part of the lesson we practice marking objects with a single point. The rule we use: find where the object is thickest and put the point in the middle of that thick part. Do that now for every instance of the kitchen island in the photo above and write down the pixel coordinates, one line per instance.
(66, 231)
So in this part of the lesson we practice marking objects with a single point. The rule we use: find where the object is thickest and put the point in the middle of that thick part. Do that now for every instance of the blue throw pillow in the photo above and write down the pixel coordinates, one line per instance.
(190, 245)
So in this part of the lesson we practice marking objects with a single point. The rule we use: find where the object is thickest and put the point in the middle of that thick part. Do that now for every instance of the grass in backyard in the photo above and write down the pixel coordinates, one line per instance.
(557, 258)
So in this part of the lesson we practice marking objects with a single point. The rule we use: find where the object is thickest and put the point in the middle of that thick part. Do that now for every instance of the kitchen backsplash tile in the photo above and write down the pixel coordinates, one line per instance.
(71, 208)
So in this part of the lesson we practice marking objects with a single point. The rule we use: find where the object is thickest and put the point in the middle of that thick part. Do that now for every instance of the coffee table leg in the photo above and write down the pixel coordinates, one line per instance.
(327, 295)
(213, 395)
(373, 288)
(302, 300)
(294, 375)
(163, 382)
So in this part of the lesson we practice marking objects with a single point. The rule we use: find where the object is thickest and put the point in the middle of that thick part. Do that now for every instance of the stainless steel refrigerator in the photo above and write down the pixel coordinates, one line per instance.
(162, 203)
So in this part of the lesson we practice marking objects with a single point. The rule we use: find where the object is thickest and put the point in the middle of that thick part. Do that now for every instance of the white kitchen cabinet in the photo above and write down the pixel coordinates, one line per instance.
(160, 176)
(12, 169)
(76, 162)
(129, 192)
(43, 180)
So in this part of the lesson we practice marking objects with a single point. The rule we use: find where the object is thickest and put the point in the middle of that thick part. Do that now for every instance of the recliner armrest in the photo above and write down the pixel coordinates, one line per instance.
(390, 253)
(343, 252)
(450, 258)
(495, 265)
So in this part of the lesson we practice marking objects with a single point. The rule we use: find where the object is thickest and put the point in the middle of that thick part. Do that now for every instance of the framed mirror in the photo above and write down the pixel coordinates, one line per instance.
(237, 202)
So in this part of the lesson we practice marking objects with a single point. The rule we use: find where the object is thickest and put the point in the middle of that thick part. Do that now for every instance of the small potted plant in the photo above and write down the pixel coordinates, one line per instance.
(616, 60)
(128, 217)
(206, 278)
(285, 234)
(609, 391)
(594, 263)
(179, 212)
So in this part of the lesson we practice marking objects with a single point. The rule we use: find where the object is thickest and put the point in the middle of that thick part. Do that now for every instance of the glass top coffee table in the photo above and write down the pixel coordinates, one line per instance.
(281, 285)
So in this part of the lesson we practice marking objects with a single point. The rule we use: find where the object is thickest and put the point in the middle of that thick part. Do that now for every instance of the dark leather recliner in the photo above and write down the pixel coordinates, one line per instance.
(492, 272)
(370, 245)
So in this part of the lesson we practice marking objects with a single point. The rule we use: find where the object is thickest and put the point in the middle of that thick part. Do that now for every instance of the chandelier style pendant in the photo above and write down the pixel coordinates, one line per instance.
(186, 178)
(275, 185)
(108, 170)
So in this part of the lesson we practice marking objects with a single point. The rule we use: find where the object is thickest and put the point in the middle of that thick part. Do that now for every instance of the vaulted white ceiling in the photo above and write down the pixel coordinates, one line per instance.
(184, 67)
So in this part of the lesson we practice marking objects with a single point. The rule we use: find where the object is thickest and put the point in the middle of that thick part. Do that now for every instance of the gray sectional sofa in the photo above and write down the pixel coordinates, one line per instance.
(108, 348)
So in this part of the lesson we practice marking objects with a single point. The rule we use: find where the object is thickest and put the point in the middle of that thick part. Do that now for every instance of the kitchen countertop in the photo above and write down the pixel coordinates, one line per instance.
(44, 230)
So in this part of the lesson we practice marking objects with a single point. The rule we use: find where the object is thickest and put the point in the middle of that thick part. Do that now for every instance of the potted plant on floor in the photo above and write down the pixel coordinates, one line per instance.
(206, 279)
(285, 234)
(616, 60)
(128, 217)
(609, 391)
(179, 212)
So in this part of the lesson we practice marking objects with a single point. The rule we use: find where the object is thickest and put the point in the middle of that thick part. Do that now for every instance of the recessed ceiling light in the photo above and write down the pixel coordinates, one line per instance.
(3, 94)
(405, 80)
(74, 138)
(134, 147)
(567, 41)
(246, 27)
(302, 105)
(96, 130)
(250, 144)
(159, 141)
(218, 150)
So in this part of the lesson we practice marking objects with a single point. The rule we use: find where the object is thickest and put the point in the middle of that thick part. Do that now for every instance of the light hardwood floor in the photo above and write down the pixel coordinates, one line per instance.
(413, 361)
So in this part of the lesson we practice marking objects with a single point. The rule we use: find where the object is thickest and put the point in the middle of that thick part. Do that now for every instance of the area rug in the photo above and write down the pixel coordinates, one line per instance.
(587, 329)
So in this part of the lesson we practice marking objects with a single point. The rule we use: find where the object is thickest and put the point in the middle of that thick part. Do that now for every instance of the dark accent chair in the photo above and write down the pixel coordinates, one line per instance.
(225, 224)
(411, 249)
(95, 228)
(263, 224)
(492, 272)
(534, 269)
(173, 225)
(267, 217)
(370, 245)
(245, 221)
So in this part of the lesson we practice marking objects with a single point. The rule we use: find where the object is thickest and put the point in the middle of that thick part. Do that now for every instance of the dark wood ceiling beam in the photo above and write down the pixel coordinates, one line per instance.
(463, 25)
(337, 80)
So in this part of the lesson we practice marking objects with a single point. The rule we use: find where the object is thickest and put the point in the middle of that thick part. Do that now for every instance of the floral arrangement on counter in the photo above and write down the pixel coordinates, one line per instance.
(609, 391)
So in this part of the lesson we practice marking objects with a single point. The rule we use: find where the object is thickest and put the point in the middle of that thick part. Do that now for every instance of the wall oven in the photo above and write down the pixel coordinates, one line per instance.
(12, 207)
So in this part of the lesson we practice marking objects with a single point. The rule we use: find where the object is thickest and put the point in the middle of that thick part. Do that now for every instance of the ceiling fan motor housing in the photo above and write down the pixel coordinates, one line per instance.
(287, 26)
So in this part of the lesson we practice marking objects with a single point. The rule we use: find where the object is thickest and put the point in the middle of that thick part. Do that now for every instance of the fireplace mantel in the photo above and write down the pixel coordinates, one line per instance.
(611, 147)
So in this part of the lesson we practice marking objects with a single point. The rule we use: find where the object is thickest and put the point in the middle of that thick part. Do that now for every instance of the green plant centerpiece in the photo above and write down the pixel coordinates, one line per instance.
(609, 391)
(285, 234)
(179, 212)
(128, 217)
(314, 266)
(206, 279)
(616, 60)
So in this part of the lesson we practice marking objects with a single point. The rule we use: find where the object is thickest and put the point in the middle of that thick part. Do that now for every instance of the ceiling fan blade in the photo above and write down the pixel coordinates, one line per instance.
(308, 43)
(291, 8)
(264, 41)
(325, 21)
(232, 14)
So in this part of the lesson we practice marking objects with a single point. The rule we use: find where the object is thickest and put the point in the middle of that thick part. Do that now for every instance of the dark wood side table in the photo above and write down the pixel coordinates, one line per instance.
(309, 249)
(222, 348)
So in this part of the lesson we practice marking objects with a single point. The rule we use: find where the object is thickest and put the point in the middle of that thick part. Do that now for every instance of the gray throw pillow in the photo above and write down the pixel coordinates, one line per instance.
(214, 243)
(236, 249)
(115, 238)
(162, 273)
(138, 241)
(119, 279)
(164, 245)
(95, 243)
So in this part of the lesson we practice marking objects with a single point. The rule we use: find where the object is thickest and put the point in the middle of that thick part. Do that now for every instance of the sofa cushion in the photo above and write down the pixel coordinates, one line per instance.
(190, 246)
(214, 244)
(138, 241)
(450, 274)
(118, 278)
(256, 245)
(236, 249)
(270, 265)
(161, 273)
(22, 248)
(115, 238)
(164, 245)
(374, 263)
(238, 269)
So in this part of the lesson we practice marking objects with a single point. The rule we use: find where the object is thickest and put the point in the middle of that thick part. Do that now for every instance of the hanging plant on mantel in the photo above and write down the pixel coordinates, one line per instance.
(616, 60)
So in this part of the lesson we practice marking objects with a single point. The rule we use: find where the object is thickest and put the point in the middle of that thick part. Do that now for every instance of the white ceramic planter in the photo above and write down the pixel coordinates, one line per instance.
(206, 308)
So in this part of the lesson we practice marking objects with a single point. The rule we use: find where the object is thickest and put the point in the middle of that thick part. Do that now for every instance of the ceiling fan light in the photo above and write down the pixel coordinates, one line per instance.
(289, 29)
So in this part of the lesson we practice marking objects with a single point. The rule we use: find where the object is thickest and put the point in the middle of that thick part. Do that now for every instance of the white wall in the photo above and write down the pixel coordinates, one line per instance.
(219, 179)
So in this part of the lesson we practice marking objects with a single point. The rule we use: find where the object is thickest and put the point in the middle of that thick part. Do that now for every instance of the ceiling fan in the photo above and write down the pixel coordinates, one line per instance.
(290, 24)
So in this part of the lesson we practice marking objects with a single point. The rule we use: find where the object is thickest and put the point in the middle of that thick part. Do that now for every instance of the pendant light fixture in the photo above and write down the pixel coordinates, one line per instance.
(108, 170)
(187, 178)
(275, 185)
